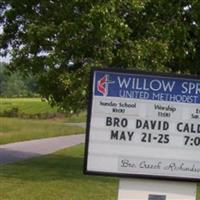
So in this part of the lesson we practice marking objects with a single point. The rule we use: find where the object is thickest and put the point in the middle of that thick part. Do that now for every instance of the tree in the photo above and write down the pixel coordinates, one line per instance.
(3, 78)
(15, 85)
(62, 40)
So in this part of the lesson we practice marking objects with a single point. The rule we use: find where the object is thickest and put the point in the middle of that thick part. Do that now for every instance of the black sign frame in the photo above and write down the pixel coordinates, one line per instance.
(88, 122)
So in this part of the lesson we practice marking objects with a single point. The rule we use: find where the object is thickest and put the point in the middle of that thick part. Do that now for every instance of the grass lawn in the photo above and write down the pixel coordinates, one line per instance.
(81, 117)
(33, 106)
(26, 105)
(14, 129)
(54, 177)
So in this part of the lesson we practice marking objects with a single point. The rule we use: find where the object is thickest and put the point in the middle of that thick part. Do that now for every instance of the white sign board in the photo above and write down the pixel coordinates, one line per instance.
(143, 125)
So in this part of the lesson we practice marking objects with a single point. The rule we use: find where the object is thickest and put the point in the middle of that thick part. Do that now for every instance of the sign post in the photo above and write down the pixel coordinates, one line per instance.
(143, 125)
(139, 189)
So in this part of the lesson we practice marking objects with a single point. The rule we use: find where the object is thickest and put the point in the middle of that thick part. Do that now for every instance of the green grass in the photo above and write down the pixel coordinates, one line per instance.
(26, 105)
(80, 117)
(54, 177)
(14, 130)
(33, 106)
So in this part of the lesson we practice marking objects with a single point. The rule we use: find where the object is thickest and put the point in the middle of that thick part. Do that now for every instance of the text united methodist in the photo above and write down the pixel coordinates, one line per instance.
(159, 89)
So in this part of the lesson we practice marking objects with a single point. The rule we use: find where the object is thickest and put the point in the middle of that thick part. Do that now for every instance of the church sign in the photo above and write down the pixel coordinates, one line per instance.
(143, 125)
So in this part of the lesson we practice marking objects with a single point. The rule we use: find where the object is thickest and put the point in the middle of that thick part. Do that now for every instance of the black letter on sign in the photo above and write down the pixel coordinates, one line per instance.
(124, 122)
(108, 121)
(114, 135)
(138, 123)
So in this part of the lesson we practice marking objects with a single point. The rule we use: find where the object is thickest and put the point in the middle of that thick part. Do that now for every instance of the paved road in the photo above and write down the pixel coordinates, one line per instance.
(22, 150)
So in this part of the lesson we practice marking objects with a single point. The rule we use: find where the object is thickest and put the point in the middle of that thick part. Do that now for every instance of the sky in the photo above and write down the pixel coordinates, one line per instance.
(3, 59)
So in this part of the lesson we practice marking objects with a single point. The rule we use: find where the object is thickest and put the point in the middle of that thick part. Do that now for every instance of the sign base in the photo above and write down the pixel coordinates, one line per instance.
(140, 189)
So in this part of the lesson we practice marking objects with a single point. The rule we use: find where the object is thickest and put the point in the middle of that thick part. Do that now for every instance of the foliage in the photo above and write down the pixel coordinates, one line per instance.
(62, 40)
(15, 85)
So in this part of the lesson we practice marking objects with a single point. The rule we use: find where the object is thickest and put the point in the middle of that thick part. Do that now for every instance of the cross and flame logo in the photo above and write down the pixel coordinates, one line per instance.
(102, 85)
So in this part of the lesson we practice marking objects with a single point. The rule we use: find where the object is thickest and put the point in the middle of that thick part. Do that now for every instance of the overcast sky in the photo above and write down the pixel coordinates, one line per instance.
(3, 59)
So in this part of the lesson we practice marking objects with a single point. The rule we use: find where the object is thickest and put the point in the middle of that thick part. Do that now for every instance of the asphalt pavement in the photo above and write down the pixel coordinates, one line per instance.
(10, 153)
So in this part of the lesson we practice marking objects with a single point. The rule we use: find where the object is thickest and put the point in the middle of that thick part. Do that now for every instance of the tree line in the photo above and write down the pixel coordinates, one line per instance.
(15, 85)
(60, 41)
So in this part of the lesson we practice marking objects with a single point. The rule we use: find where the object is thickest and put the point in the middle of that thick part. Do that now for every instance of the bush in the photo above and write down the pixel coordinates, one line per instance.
(15, 112)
